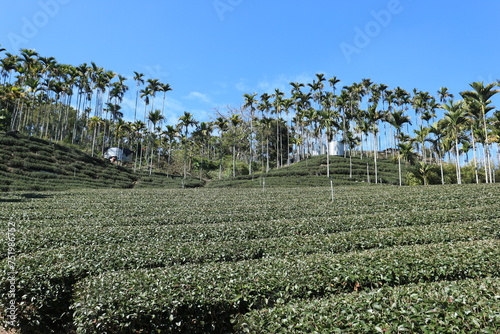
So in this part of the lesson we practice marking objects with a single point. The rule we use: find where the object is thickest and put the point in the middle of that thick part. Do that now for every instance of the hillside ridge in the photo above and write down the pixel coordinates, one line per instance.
(34, 164)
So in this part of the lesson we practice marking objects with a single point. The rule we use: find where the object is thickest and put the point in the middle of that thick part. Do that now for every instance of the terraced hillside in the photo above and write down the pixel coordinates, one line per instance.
(29, 163)
(32, 164)
(313, 171)
(379, 258)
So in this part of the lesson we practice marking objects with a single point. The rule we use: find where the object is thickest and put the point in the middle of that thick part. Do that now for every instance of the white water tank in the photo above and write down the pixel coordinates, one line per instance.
(336, 147)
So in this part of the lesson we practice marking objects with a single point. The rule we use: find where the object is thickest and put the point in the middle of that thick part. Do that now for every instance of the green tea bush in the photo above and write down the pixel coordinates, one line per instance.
(206, 298)
(467, 306)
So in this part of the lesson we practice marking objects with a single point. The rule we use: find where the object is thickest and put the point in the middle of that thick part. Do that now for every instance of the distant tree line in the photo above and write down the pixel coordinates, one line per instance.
(82, 105)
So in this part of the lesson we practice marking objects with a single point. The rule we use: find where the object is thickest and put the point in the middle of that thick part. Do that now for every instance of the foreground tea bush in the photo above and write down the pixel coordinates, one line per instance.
(468, 306)
(64, 240)
(205, 298)
(58, 269)
(86, 232)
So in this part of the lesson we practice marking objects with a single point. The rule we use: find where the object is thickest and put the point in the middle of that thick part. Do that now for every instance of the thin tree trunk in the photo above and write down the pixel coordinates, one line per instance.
(288, 143)
(350, 164)
(277, 143)
(490, 168)
(457, 154)
(367, 172)
(442, 171)
(93, 140)
(438, 158)
(140, 158)
(375, 154)
(327, 157)
(361, 146)
(474, 157)
(267, 155)
(399, 170)
(136, 154)
(485, 164)
(251, 145)
(151, 160)
(220, 169)
(234, 160)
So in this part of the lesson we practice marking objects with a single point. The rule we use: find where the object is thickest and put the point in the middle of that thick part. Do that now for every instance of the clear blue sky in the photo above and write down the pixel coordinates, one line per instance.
(211, 52)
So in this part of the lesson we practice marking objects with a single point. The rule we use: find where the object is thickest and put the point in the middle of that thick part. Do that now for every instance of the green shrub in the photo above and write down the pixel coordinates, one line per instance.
(206, 298)
(468, 306)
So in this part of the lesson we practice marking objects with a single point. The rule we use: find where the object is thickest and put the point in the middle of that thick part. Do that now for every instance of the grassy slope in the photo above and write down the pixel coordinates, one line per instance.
(32, 164)
(313, 171)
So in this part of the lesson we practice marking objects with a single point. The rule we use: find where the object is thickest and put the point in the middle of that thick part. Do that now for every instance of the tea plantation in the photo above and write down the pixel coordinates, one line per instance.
(34, 164)
(378, 259)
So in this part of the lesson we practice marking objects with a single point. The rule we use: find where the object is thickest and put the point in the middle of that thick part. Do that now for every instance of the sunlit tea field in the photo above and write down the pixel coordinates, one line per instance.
(382, 259)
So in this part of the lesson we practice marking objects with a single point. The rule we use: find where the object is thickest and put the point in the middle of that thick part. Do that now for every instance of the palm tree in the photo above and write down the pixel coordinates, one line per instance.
(93, 124)
(278, 105)
(481, 94)
(420, 138)
(154, 118)
(171, 133)
(407, 153)
(333, 81)
(429, 112)
(363, 127)
(114, 111)
(328, 120)
(138, 77)
(424, 172)
(287, 104)
(249, 103)
(234, 120)
(145, 94)
(438, 134)
(201, 135)
(137, 129)
(455, 120)
(401, 98)
(266, 123)
(154, 86)
(118, 90)
(122, 128)
(264, 106)
(186, 121)
(444, 95)
(374, 116)
(312, 119)
(397, 119)
(222, 124)
(297, 102)
(317, 96)
(164, 88)
(475, 131)
(352, 142)
(342, 103)
(100, 79)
